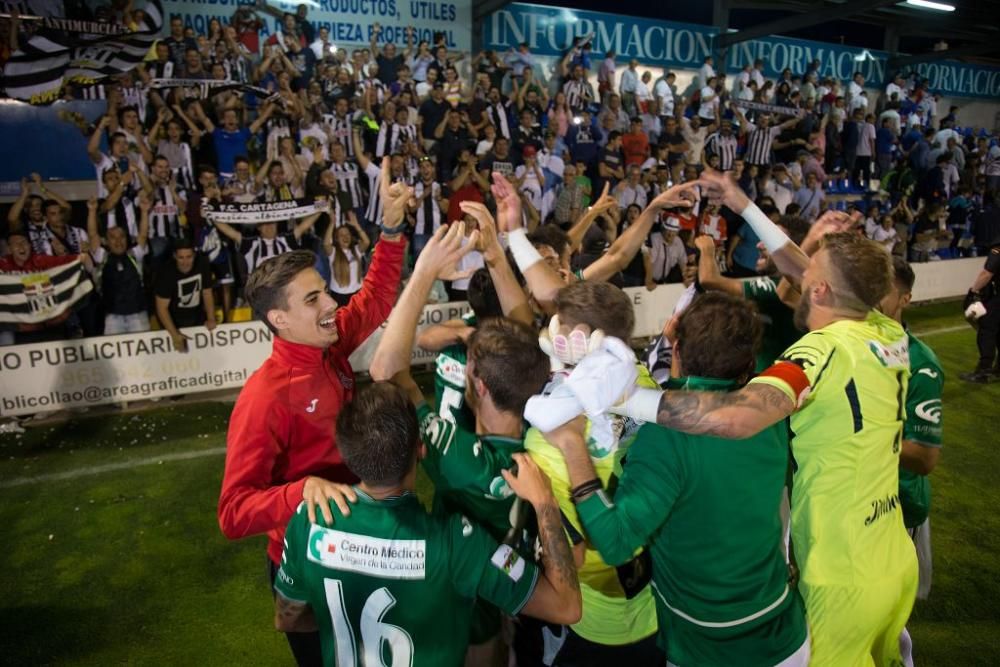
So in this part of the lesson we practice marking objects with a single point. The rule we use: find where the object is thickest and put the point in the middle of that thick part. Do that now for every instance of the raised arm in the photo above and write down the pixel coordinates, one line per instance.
(14, 214)
(628, 244)
(261, 119)
(580, 228)
(788, 257)
(94, 144)
(513, 300)
(391, 361)
(709, 275)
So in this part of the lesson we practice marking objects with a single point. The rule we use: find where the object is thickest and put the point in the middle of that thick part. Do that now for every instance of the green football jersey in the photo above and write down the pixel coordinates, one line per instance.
(465, 468)
(708, 509)
(922, 426)
(393, 585)
(780, 331)
(847, 433)
(449, 375)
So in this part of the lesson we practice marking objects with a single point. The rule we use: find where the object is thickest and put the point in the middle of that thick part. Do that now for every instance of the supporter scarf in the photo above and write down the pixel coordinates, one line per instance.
(257, 213)
(211, 87)
(55, 56)
(31, 298)
(769, 108)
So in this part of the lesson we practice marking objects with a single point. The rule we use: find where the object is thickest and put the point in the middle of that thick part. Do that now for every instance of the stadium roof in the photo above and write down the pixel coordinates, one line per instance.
(972, 31)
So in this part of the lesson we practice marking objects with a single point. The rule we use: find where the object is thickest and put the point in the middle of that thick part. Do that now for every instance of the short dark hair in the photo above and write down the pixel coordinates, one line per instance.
(599, 305)
(506, 358)
(717, 321)
(796, 226)
(209, 169)
(378, 435)
(265, 288)
(483, 297)
(903, 272)
(182, 243)
(552, 236)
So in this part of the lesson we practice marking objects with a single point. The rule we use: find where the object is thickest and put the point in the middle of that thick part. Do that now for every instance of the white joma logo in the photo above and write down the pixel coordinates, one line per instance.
(312, 405)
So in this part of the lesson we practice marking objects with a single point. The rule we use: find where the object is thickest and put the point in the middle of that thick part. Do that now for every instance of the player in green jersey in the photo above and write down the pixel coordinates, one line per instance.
(493, 292)
(843, 385)
(389, 584)
(707, 508)
(921, 436)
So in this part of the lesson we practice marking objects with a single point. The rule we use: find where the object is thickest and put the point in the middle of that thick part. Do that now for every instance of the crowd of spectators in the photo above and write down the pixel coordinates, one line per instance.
(918, 182)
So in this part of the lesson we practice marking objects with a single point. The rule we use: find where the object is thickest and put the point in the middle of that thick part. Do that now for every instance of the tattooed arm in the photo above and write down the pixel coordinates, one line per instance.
(736, 414)
(291, 616)
(556, 597)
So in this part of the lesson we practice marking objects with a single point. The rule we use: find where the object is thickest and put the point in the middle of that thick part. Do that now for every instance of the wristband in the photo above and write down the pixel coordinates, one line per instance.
(643, 405)
(768, 232)
(392, 231)
(580, 492)
(525, 255)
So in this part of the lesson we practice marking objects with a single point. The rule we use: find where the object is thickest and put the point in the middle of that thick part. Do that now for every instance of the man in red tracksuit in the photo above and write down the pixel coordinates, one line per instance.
(280, 449)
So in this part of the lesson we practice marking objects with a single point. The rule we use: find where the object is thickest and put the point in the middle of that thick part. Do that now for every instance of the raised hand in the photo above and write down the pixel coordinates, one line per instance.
(508, 203)
(394, 197)
(705, 244)
(721, 186)
(441, 254)
(489, 244)
(92, 204)
(682, 195)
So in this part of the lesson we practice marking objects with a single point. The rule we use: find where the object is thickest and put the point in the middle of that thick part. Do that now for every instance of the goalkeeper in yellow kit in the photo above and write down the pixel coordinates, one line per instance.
(843, 386)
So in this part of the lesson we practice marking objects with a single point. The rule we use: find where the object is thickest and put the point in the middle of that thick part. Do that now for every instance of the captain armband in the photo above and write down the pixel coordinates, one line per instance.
(793, 376)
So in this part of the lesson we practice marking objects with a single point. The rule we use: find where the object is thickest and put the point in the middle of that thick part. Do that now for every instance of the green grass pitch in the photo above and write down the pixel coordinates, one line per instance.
(127, 565)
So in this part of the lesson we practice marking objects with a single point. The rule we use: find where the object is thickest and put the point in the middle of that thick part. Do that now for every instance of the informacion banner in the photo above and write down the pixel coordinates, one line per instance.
(549, 31)
(134, 367)
(349, 21)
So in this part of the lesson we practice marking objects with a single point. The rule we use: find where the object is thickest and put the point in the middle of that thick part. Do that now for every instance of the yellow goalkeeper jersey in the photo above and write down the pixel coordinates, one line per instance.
(847, 522)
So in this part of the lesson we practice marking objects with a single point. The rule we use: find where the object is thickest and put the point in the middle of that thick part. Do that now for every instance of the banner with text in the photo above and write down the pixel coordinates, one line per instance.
(349, 21)
(111, 369)
(550, 31)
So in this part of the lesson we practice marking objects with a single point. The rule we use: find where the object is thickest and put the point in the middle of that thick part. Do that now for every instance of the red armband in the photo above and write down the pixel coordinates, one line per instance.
(791, 374)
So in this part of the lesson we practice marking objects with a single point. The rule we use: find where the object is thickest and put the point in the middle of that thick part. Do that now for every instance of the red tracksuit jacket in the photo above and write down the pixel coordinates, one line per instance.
(282, 427)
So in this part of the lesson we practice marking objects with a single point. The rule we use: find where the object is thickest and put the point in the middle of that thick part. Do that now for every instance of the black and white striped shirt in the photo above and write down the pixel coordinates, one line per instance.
(391, 136)
(124, 215)
(429, 215)
(256, 250)
(341, 131)
(165, 215)
(577, 94)
(499, 119)
(724, 147)
(759, 144)
(347, 181)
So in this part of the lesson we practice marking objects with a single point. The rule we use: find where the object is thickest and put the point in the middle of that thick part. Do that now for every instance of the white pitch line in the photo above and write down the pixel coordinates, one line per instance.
(110, 467)
(935, 332)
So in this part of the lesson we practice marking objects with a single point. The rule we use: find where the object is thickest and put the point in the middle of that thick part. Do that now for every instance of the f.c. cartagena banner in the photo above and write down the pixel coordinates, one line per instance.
(550, 31)
(349, 21)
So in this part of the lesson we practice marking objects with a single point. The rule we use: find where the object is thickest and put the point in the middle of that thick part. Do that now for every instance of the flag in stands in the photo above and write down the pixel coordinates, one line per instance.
(53, 57)
(31, 298)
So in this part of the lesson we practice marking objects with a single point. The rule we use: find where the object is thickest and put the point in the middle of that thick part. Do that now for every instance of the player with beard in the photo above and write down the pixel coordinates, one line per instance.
(281, 446)
(843, 386)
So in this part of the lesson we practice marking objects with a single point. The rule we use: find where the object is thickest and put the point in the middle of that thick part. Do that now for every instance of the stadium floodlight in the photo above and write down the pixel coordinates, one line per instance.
(926, 4)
